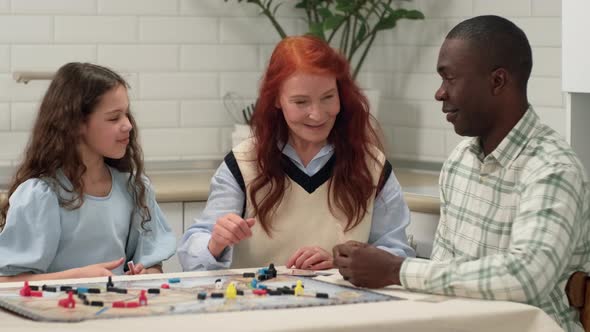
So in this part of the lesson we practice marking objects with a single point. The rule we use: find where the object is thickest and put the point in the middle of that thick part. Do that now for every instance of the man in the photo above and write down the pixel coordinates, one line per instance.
(514, 198)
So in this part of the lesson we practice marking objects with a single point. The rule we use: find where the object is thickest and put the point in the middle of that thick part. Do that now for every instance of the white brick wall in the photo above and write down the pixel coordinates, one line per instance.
(182, 56)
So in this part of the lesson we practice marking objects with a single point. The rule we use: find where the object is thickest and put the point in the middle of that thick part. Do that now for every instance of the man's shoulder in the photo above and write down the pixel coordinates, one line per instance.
(547, 148)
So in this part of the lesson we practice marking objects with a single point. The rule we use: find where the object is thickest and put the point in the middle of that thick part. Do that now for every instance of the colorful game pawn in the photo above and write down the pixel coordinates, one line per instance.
(231, 292)
(143, 298)
(271, 271)
(299, 288)
(69, 303)
(254, 283)
(218, 284)
(165, 286)
(110, 282)
(27, 291)
(173, 280)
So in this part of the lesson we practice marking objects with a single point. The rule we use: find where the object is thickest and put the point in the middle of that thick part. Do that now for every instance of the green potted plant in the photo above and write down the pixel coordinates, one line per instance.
(349, 25)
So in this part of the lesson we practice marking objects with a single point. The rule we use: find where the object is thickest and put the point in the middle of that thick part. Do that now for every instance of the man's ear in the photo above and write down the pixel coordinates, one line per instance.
(498, 81)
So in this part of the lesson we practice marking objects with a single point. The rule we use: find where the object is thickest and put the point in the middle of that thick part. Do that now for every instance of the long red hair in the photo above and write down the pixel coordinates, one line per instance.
(352, 136)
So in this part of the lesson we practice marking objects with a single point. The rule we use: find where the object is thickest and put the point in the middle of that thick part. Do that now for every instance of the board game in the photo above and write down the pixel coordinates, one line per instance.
(190, 295)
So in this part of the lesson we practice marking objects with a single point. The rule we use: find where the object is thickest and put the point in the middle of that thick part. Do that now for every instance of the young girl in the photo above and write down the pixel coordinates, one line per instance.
(313, 175)
(79, 205)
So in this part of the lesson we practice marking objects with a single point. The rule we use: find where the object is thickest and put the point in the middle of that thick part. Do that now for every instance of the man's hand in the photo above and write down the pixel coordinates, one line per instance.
(367, 266)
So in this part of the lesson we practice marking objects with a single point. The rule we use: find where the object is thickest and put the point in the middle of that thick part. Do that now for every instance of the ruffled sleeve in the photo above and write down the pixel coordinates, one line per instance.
(30, 238)
(155, 241)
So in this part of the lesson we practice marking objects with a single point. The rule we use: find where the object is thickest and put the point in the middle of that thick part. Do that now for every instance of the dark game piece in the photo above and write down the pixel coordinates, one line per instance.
(322, 295)
(82, 296)
(272, 272)
(86, 302)
(93, 290)
(263, 277)
(249, 275)
(36, 288)
(153, 291)
(97, 304)
(110, 282)
(275, 292)
(65, 288)
(240, 292)
(217, 295)
(202, 296)
(121, 291)
(287, 291)
(49, 288)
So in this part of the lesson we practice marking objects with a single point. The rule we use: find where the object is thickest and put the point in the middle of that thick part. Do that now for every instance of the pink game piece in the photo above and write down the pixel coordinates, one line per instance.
(143, 298)
(119, 304)
(132, 305)
(69, 303)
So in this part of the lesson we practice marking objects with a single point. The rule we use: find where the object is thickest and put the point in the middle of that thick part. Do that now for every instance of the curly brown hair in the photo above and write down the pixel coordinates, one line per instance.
(72, 96)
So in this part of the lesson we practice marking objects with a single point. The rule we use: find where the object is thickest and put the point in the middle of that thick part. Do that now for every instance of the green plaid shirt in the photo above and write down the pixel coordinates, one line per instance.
(514, 224)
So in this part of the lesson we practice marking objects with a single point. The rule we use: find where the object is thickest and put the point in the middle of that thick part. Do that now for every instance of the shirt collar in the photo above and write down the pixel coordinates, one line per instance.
(290, 152)
(511, 146)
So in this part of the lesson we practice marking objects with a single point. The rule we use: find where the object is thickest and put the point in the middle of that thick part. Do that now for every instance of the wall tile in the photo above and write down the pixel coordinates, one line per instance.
(4, 116)
(208, 113)
(26, 29)
(138, 7)
(60, 7)
(219, 58)
(141, 58)
(97, 29)
(23, 116)
(178, 86)
(546, 8)
(181, 142)
(502, 7)
(26, 57)
(156, 114)
(178, 30)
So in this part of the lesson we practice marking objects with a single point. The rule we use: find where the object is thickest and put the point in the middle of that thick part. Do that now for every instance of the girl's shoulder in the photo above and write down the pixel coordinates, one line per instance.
(32, 190)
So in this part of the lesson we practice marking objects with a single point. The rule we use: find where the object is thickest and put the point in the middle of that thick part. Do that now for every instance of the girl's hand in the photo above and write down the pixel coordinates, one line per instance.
(140, 269)
(97, 270)
(311, 258)
(229, 229)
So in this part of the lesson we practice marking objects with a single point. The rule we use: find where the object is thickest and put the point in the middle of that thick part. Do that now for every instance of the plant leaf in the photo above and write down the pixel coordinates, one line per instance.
(333, 21)
(316, 29)
(386, 23)
(344, 5)
(414, 15)
(325, 13)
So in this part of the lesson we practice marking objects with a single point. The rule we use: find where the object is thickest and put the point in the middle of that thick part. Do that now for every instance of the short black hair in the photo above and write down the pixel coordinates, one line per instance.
(499, 42)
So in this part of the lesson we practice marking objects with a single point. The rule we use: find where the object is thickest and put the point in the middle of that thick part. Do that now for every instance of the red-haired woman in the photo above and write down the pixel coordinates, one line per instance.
(312, 176)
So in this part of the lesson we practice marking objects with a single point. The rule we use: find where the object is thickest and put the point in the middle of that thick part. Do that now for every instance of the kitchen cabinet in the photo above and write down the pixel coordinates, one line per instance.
(180, 217)
(421, 230)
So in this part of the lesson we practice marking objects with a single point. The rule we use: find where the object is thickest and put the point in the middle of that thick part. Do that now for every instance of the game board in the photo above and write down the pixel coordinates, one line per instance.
(179, 296)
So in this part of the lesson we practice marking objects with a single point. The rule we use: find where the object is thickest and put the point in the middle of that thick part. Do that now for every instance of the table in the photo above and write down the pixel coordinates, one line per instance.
(420, 312)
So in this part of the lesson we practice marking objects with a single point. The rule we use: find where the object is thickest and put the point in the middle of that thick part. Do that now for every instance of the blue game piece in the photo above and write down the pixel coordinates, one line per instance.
(261, 286)
(82, 290)
(253, 283)
(263, 270)
(173, 280)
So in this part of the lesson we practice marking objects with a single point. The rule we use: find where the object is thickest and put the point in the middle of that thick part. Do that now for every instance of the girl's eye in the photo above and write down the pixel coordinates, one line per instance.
(300, 102)
(328, 97)
(114, 119)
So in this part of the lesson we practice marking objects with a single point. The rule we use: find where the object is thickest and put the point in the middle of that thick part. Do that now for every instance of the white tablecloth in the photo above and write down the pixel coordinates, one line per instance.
(421, 312)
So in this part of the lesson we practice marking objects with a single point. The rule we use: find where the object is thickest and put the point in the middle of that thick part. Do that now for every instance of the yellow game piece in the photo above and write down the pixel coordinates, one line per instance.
(298, 288)
(231, 292)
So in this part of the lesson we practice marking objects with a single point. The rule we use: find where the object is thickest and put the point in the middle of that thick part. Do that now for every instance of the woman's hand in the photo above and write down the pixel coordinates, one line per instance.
(229, 229)
(97, 270)
(311, 258)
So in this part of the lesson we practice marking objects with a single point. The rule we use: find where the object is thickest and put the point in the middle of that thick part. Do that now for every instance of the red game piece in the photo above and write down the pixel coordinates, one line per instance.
(119, 304)
(259, 291)
(165, 286)
(132, 304)
(26, 290)
(143, 298)
(69, 302)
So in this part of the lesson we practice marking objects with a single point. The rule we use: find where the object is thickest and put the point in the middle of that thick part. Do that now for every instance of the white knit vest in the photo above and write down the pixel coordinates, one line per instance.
(301, 219)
